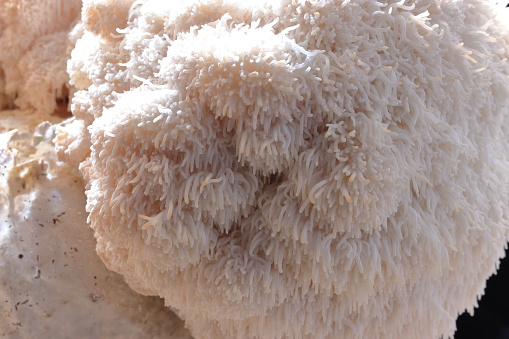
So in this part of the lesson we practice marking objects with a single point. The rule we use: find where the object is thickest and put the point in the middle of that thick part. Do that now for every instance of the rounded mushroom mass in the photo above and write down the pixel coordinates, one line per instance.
(291, 168)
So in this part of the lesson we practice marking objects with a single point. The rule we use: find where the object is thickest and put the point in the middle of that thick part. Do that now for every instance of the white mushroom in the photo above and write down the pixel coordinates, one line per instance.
(301, 169)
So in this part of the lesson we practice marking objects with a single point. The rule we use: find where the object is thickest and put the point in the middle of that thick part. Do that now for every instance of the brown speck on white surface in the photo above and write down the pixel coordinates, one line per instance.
(51, 279)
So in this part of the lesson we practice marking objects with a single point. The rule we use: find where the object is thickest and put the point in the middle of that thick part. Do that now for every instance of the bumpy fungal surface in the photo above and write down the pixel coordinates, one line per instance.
(291, 168)
(35, 49)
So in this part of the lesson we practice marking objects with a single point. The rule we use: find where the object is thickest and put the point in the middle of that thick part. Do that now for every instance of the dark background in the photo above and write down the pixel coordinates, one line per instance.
(491, 318)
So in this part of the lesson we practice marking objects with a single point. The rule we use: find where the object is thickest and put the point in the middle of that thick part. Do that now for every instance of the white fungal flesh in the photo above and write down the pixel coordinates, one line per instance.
(35, 49)
(291, 168)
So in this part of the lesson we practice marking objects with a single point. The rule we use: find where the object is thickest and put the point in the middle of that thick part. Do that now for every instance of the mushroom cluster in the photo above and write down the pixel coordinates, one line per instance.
(35, 41)
(296, 168)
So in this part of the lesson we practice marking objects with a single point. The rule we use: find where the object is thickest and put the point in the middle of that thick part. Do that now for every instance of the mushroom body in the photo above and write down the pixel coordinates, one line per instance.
(301, 169)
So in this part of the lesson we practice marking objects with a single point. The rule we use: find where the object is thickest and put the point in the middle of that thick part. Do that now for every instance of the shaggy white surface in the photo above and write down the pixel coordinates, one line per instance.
(34, 52)
(301, 169)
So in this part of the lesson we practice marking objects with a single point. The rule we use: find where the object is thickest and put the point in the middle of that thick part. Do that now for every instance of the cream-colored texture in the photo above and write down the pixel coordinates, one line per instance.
(34, 50)
(300, 169)
(272, 169)
(53, 284)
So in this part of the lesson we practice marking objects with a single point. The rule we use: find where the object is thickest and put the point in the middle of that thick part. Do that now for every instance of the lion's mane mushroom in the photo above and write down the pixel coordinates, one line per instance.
(34, 49)
(291, 168)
